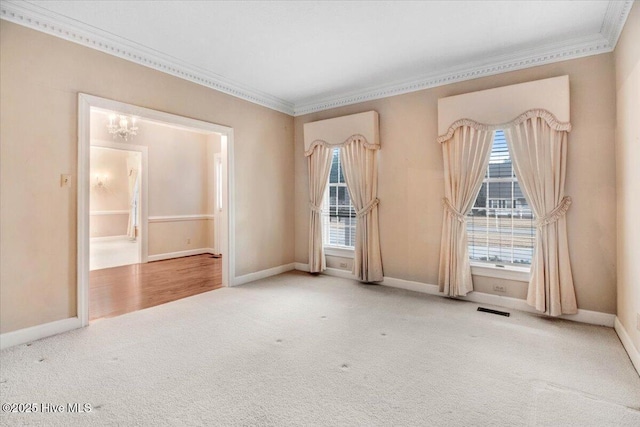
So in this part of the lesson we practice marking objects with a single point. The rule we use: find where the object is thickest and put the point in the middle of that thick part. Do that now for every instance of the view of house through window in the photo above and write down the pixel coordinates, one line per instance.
(501, 224)
(338, 214)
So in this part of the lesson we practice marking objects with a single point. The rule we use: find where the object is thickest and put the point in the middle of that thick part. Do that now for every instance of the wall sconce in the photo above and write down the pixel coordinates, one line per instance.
(101, 180)
(122, 126)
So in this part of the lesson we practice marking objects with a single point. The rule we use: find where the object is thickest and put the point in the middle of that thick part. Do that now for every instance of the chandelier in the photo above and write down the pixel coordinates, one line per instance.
(122, 126)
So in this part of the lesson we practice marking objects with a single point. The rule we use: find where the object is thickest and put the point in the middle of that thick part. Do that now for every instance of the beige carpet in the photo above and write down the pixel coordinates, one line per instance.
(302, 350)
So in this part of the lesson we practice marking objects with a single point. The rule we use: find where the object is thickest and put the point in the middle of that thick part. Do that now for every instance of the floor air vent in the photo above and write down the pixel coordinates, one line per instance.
(488, 310)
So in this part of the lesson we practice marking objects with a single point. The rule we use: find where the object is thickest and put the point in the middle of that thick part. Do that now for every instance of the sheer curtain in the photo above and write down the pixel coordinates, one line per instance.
(466, 151)
(538, 146)
(132, 168)
(359, 162)
(319, 165)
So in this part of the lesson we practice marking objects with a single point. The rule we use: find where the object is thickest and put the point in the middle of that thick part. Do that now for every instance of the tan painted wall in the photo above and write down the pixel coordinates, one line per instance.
(627, 56)
(41, 77)
(112, 195)
(167, 237)
(411, 179)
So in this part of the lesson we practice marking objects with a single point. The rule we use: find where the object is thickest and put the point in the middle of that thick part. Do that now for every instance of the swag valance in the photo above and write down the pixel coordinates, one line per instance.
(543, 114)
(341, 131)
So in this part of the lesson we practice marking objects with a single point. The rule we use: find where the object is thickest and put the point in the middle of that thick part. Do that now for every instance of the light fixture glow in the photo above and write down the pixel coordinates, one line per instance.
(125, 127)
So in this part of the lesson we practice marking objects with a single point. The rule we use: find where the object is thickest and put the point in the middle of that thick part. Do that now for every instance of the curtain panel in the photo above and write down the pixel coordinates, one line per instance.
(538, 147)
(319, 165)
(466, 151)
(133, 198)
(360, 168)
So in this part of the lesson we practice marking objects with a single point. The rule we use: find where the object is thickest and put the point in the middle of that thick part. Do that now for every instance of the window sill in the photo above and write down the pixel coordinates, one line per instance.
(339, 252)
(520, 274)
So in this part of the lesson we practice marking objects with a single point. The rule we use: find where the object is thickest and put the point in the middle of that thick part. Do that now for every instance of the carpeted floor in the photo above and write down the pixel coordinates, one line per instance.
(302, 350)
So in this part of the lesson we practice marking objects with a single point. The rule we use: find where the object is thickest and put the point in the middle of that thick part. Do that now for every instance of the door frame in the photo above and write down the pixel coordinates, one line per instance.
(143, 213)
(85, 104)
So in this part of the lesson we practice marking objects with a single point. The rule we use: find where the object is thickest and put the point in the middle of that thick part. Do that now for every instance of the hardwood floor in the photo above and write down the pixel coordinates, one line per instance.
(118, 290)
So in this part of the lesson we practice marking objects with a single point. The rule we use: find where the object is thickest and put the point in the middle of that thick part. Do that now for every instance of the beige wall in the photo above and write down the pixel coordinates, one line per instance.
(411, 179)
(41, 77)
(112, 195)
(627, 57)
(175, 236)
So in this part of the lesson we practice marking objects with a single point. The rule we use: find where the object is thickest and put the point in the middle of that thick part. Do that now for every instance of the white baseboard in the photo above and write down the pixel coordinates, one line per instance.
(180, 254)
(175, 218)
(409, 285)
(632, 351)
(336, 272)
(109, 238)
(583, 316)
(301, 266)
(23, 336)
(263, 274)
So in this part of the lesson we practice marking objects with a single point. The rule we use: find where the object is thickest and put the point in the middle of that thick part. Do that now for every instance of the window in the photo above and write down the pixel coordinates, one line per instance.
(338, 214)
(501, 224)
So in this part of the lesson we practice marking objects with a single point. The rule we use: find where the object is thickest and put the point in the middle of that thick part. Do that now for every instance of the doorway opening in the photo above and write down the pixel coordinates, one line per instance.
(155, 200)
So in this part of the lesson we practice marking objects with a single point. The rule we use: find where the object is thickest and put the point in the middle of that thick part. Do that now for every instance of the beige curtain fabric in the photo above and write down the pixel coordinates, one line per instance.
(361, 175)
(466, 157)
(132, 168)
(538, 148)
(319, 165)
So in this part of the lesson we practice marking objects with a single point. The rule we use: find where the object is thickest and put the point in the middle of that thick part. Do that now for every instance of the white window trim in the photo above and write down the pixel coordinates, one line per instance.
(339, 251)
(506, 271)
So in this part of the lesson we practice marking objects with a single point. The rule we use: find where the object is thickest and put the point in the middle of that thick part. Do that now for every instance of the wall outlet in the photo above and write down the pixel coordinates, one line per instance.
(499, 288)
(188, 241)
(638, 321)
(343, 265)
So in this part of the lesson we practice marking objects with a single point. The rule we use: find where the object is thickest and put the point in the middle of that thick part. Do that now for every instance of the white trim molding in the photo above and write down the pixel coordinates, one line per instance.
(108, 238)
(339, 252)
(508, 272)
(632, 351)
(263, 274)
(100, 213)
(180, 254)
(175, 218)
(299, 266)
(583, 316)
(26, 335)
(41, 19)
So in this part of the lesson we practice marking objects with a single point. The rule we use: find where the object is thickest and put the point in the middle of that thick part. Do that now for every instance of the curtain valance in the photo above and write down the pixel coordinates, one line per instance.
(547, 116)
(361, 128)
(353, 138)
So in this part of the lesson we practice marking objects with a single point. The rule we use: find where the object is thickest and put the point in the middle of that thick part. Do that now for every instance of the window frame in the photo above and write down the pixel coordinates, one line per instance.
(508, 271)
(329, 249)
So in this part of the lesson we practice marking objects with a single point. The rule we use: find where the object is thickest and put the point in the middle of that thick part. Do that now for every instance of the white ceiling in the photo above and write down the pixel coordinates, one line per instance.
(299, 56)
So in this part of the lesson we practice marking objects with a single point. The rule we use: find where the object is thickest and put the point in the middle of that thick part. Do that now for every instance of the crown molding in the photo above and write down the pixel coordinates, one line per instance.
(603, 42)
(38, 18)
(614, 20)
